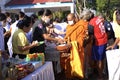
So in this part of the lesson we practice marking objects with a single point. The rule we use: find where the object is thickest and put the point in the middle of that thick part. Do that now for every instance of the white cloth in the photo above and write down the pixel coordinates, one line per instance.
(7, 27)
(9, 43)
(61, 27)
(45, 72)
(113, 61)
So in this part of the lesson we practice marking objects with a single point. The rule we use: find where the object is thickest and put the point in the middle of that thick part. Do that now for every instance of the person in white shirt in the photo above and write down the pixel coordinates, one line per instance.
(13, 28)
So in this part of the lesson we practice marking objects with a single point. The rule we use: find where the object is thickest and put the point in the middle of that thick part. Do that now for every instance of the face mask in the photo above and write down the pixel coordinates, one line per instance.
(47, 20)
(70, 22)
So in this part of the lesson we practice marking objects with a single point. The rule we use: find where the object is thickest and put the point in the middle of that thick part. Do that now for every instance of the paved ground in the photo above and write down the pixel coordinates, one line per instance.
(94, 76)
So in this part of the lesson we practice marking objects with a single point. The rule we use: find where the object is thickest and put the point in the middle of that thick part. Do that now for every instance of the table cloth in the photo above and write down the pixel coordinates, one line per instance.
(44, 72)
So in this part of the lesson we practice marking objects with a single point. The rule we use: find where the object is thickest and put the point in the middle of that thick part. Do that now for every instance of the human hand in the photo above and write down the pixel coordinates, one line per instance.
(110, 47)
(5, 55)
(51, 30)
(61, 41)
(69, 45)
(7, 33)
(35, 43)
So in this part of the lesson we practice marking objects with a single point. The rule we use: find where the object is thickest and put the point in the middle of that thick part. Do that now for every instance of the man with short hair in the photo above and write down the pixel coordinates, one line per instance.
(75, 35)
(99, 44)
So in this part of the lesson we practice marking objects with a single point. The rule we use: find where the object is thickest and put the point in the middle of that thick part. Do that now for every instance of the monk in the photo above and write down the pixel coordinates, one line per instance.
(75, 34)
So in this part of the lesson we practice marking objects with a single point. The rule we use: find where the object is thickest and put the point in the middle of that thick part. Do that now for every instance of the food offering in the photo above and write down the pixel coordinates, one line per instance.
(35, 57)
(23, 70)
(16, 68)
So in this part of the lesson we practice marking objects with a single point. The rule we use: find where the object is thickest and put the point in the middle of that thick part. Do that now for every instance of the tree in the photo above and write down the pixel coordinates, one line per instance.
(101, 4)
(105, 6)
(80, 5)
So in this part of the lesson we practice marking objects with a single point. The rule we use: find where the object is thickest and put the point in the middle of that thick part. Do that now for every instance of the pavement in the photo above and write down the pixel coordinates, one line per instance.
(92, 76)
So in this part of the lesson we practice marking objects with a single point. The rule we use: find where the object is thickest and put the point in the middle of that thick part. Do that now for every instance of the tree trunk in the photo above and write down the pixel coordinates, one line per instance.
(84, 3)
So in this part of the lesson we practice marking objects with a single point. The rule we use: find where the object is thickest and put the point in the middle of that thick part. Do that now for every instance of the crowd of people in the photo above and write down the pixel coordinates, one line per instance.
(87, 36)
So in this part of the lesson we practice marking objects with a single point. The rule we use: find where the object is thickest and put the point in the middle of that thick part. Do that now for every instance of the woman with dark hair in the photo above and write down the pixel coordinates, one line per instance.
(20, 43)
(40, 32)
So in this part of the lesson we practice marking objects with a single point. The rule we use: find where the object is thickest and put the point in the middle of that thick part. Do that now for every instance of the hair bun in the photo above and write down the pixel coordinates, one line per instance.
(20, 23)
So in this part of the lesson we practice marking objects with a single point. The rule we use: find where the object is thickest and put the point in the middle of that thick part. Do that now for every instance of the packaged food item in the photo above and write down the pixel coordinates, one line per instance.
(41, 42)
(36, 57)
(24, 69)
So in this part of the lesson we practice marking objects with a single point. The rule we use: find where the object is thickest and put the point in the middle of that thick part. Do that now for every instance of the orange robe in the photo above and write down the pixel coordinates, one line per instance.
(76, 34)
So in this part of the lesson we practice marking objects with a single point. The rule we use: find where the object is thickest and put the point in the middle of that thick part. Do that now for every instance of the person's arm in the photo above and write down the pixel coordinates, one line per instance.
(47, 37)
(58, 32)
(114, 44)
(22, 43)
(24, 48)
(7, 34)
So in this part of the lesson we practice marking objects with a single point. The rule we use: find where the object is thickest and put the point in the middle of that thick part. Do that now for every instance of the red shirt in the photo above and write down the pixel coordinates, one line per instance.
(99, 31)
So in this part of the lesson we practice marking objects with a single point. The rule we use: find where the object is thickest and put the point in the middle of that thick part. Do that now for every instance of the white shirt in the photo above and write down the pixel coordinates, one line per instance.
(7, 27)
(9, 43)
(61, 27)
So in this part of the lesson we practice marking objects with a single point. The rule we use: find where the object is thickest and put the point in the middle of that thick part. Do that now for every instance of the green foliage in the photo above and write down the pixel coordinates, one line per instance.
(104, 6)
(60, 14)
(101, 4)
(91, 4)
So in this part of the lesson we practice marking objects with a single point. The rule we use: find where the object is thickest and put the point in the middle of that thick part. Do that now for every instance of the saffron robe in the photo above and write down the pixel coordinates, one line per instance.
(76, 35)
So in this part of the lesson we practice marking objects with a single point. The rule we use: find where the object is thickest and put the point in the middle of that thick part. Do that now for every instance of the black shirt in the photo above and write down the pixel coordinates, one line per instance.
(38, 35)
(109, 30)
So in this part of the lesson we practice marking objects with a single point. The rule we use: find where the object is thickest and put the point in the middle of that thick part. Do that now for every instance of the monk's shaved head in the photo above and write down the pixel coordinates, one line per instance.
(70, 17)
